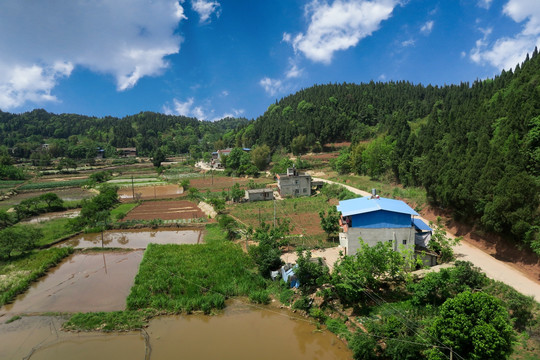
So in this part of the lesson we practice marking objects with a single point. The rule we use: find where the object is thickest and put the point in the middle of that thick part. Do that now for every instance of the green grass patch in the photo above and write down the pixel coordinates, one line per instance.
(414, 195)
(109, 321)
(186, 278)
(9, 184)
(17, 275)
(53, 230)
(54, 184)
(122, 210)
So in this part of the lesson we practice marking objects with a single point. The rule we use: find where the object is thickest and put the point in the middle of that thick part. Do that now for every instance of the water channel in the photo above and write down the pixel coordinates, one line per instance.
(240, 332)
(134, 238)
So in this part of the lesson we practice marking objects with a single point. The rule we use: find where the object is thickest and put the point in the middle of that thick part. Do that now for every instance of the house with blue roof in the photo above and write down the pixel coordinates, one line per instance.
(374, 219)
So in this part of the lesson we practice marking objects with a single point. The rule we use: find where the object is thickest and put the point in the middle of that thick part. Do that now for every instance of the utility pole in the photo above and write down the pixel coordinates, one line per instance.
(132, 188)
(274, 213)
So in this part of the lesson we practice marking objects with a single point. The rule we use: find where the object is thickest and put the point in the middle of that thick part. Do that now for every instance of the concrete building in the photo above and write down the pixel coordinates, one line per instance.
(127, 152)
(374, 219)
(259, 195)
(294, 183)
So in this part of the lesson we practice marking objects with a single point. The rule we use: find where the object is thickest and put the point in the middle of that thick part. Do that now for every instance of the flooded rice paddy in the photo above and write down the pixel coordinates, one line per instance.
(53, 215)
(134, 238)
(150, 192)
(84, 282)
(241, 332)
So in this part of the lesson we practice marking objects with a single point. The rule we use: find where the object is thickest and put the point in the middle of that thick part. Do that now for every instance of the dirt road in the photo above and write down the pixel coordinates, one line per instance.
(493, 268)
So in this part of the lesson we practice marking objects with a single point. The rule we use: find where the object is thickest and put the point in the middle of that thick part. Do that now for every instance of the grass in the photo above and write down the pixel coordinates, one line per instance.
(109, 321)
(53, 230)
(122, 209)
(414, 195)
(54, 184)
(303, 212)
(9, 184)
(17, 275)
(186, 278)
(182, 278)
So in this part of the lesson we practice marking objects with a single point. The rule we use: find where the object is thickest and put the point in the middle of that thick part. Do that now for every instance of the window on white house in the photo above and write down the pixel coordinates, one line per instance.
(404, 242)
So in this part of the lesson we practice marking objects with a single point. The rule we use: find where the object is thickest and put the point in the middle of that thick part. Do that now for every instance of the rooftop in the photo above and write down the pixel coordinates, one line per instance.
(367, 204)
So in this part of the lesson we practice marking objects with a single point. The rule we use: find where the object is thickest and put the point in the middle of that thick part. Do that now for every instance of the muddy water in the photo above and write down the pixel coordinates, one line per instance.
(83, 282)
(134, 238)
(242, 332)
(151, 192)
(55, 215)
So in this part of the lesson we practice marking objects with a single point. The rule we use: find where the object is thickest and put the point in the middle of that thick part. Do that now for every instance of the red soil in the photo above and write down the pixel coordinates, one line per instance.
(165, 210)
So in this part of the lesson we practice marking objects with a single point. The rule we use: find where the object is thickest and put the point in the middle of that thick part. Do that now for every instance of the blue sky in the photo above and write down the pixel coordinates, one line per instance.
(215, 58)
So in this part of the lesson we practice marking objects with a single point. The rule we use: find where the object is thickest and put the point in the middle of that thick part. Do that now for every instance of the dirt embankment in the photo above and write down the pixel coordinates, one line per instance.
(500, 248)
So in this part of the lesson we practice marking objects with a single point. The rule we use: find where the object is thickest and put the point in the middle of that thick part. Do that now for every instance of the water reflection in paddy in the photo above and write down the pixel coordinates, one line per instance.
(134, 238)
(242, 332)
(83, 282)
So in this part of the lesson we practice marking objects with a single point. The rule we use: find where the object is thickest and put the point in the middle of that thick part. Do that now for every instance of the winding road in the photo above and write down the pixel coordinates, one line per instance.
(492, 267)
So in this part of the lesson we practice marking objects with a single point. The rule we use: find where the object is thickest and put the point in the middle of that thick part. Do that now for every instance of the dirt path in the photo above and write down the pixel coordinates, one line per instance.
(493, 268)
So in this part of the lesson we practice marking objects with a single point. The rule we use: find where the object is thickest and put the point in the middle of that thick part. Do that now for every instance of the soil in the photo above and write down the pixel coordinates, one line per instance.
(523, 260)
(219, 183)
(165, 210)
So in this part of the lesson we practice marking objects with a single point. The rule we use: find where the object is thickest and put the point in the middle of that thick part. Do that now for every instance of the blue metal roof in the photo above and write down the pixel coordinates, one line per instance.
(420, 225)
(367, 204)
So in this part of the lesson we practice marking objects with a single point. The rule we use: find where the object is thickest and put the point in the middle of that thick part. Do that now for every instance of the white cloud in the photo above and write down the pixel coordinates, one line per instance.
(293, 71)
(485, 3)
(43, 42)
(339, 26)
(507, 52)
(408, 43)
(427, 27)
(206, 8)
(271, 86)
(186, 108)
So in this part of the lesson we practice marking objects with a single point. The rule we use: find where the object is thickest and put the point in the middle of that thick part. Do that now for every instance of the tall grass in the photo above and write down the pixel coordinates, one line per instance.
(54, 184)
(186, 278)
(17, 275)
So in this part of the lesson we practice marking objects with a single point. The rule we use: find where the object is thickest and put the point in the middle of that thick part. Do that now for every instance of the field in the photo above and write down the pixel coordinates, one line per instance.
(69, 195)
(165, 210)
(302, 212)
(220, 183)
(17, 275)
(157, 191)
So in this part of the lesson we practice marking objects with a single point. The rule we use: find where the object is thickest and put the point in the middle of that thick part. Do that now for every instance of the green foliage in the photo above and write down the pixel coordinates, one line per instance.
(20, 273)
(311, 273)
(97, 209)
(367, 271)
(335, 191)
(267, 253)
(100, 176)
(330, 220)
(236, 193)
(377, 157)
(54, 184)
(342, 164)
(260, 156)
(281, 164)
(475, 326)
(109, 321)
(299, 145)
(11, 172)
(442, 244)
(259, 297)
(436, 287)
(185, 278)
(158, 157)
(229, 226)
(304, 303)
(16, 240)
(522, 308)
(363, 346)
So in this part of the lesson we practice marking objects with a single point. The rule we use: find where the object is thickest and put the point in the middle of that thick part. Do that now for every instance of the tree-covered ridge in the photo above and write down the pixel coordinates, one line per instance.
(148, 131)
(475, 148)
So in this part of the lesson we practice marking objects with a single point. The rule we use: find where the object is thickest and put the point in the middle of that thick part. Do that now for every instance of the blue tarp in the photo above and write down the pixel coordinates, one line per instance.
(288, 272)
(420, 225)
(367, 204)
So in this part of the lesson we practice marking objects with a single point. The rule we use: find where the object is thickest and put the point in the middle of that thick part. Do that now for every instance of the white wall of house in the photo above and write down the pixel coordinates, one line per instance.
(401, 238)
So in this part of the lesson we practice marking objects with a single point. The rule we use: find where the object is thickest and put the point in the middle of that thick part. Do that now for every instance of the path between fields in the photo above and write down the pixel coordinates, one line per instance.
(493, 268)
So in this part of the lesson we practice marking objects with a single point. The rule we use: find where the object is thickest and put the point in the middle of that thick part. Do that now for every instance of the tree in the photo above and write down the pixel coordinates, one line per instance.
(236, 192)
(260, 156)
(53, 201)
(18, 240)
(158, 157)
(267, 254)
(310, 273)
(298, 145)
(442, 244)
(475, 326)
(367, 271)
(330, 220)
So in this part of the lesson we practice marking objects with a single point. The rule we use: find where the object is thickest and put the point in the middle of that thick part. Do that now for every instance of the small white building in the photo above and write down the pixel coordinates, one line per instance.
(259, 195)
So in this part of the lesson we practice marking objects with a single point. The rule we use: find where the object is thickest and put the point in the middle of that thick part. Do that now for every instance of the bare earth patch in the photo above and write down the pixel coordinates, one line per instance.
(166, 210)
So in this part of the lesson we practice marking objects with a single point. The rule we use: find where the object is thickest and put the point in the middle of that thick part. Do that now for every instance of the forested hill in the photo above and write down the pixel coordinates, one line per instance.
(75, 135)
(475, 148)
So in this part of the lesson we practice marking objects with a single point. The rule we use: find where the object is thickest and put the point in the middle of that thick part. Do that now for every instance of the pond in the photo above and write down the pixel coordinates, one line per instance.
(241, 332)
(97, 281)
(51, 216)
(134, 238)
